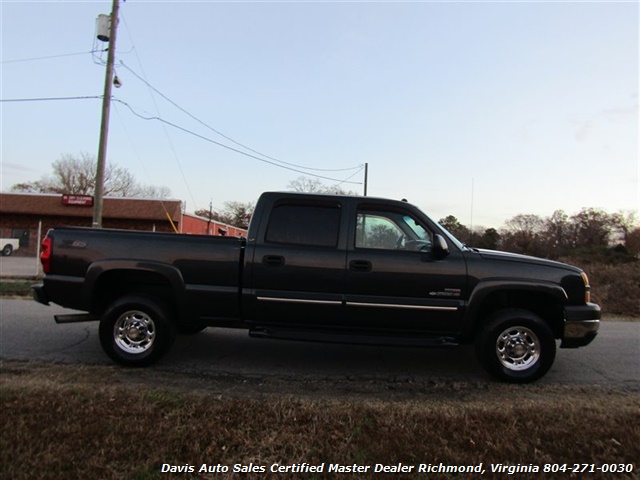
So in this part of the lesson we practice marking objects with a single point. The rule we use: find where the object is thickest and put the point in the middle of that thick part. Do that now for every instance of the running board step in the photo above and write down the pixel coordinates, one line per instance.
(76, 318)
(350, 338)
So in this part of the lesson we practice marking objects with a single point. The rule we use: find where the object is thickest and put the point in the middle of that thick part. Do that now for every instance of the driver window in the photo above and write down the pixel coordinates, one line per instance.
(375, 231)
(390, 231)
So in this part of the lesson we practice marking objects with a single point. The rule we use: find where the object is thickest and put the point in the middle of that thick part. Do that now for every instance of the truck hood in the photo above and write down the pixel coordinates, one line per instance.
(517, 258)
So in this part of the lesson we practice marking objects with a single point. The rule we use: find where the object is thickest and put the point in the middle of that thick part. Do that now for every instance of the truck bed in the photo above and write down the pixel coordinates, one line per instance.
(208, 268)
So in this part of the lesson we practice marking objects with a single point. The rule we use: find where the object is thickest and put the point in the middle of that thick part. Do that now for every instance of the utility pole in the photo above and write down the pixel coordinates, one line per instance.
(366, 178)
(104, 127)
(473, 182)
(210, 217)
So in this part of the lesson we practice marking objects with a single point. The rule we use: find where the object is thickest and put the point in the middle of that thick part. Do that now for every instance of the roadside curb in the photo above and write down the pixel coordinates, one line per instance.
(21, 277)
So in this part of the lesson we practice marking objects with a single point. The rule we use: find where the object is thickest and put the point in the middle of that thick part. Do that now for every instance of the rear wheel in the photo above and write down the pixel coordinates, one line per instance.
(516, 346)
(136, 330)
(7, 250)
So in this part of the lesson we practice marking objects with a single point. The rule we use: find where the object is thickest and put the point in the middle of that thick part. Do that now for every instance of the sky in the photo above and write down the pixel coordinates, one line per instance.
(481, 110)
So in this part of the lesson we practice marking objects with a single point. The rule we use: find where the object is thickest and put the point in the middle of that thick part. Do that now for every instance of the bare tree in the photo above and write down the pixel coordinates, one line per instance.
(315, 185)
(75, 175)
(523, 234)
(558, 234)
(151, 191)
(632, 242)
(592, 228)
(490, 238)
(624, 223)
(453, 226)
(237, 214)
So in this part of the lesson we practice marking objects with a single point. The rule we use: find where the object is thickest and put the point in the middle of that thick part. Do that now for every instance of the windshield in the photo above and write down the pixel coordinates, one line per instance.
(419, 233)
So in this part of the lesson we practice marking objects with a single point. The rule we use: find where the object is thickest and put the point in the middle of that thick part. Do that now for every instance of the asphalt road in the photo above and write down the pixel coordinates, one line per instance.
(28, 332)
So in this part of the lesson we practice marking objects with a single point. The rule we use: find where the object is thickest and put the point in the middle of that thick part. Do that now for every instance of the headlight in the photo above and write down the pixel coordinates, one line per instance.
(587, 287)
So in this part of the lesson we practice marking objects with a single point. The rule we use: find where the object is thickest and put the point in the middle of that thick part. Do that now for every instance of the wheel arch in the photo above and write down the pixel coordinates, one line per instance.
(108, 280)
(545, 300)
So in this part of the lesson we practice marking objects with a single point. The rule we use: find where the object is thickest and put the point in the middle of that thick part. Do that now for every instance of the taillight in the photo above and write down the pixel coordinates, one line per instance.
(45, 254)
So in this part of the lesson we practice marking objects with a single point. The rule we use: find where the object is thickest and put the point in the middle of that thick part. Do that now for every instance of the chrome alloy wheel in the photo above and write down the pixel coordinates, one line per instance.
(518, 348)
(134, 332)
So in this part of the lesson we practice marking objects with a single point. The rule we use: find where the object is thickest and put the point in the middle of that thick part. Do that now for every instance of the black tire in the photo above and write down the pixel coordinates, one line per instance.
(516, 346)
(136, 330)
(7, 250)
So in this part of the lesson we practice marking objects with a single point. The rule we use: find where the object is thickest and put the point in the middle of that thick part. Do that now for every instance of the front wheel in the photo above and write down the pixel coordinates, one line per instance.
(136, 330)
(516, 346)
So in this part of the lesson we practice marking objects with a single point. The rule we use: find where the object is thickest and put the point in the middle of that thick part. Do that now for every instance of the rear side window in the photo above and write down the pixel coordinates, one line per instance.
(304, 225)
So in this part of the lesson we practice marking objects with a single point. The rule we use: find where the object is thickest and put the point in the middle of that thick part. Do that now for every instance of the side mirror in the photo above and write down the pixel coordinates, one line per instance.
(439, 249)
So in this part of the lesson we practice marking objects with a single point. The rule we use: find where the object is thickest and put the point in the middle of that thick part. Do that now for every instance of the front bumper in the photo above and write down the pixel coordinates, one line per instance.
(581, 325)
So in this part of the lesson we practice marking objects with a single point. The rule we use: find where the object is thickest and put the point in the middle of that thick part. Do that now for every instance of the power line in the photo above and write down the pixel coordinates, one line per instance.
(140, 160)
(164, 127)
(33, 59)
(166, 122)
(47, 99)
(159, 119)
(358, 167)
(349, 178)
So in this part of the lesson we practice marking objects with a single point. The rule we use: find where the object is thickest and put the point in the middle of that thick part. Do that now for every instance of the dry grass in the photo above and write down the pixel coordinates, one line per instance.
(10, 288)
(99, 422)
(616, 288)
(615, 282)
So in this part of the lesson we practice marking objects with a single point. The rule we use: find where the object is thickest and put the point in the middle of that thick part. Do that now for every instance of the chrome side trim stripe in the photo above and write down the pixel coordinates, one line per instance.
(357, 304)
(410, 307)
(300, 300)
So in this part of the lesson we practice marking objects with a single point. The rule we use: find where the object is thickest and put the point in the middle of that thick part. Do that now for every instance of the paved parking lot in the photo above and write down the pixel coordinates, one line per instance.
(20, 267)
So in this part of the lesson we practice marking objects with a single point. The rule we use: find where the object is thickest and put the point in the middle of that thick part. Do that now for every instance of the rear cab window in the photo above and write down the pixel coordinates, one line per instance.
(307, 225)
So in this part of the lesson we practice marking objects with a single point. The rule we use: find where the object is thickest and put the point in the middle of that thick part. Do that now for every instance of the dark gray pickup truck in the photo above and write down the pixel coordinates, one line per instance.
(324, 268)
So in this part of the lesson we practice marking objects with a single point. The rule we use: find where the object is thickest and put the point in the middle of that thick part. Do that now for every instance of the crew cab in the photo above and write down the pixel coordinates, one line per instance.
(326, 268)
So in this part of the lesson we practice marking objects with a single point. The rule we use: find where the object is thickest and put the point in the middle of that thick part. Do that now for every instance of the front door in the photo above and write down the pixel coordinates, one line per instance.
(394, 281)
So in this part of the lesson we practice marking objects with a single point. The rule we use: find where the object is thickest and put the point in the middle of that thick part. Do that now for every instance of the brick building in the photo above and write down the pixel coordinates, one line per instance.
(202, 226)
(24, 215)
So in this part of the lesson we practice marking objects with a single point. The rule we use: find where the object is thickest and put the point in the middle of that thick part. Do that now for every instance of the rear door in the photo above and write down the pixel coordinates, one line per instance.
(298, 267)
